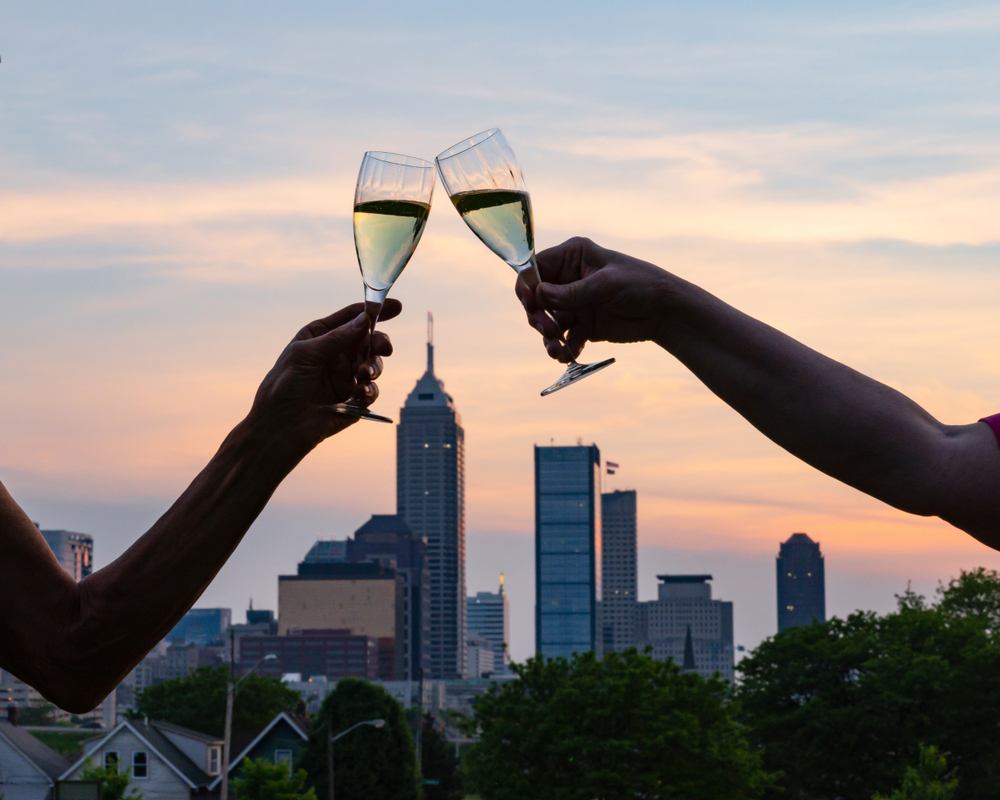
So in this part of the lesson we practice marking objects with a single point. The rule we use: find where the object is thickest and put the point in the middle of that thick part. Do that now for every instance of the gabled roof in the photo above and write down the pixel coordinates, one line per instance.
(169, 727)
(160, 745)
(41, 756)
(296, 724)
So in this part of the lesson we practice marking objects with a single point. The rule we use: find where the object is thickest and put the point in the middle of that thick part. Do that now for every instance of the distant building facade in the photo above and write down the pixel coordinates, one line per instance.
(332, 654)
(619, 582)
(430, 498)
(202, 626)
(487, 618)
(684, 612)
(801, 583)
(567, 550)
(74, 551)
(367, 599)
(481, 658)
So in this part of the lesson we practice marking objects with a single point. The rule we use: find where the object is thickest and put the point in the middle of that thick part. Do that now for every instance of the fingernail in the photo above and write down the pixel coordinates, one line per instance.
(359, 320)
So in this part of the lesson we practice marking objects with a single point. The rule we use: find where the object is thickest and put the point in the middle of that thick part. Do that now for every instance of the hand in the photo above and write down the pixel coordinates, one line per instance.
(595, 295)
(327, 362)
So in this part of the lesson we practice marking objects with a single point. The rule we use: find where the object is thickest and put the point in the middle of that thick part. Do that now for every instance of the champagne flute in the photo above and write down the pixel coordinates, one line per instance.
(391, 204)
(484, 181)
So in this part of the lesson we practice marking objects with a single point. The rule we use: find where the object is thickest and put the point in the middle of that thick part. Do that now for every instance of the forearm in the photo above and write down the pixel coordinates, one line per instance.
(116, 615)
(841, 422)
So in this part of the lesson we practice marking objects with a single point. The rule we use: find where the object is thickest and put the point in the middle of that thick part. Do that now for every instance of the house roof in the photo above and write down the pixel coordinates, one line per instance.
(161, 746)
(47, 760)
(296, 723)
(169, 727)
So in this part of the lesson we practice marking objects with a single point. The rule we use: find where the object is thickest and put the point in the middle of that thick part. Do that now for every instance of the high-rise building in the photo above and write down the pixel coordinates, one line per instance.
(74, 551)
(430, 497)
(487, 618)
(567, 549)
(388, 540)
(618, 572)
(202, 626)
(365, 599)
(801, 585)
(685, 624)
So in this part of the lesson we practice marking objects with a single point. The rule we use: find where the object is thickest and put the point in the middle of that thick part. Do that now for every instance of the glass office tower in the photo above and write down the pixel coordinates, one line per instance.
(567, 549)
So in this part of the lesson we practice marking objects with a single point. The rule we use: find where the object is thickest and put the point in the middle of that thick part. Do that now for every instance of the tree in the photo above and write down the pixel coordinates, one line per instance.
(262, 780)
(114, 784)
(925, 782)
(438, 762)
(43, 714)
(840, 707)
(198, 701)
(369, 763)
(624, 726)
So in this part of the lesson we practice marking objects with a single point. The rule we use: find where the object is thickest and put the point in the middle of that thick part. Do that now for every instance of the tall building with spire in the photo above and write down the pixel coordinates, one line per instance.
(430, 497)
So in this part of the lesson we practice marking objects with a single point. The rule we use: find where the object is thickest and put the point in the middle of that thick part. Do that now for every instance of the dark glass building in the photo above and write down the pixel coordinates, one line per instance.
(618, 572)
(430, 498)
(801, 586)
(567, 549)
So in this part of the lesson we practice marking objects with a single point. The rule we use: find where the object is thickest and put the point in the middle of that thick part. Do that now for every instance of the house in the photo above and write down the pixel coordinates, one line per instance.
(28, 769)
(282, 739)
(167, 762)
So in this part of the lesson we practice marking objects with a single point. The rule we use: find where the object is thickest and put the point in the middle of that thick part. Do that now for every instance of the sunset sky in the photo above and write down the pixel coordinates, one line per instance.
(175, 197)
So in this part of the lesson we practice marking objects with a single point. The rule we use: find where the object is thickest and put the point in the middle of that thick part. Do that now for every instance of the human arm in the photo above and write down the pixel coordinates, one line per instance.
(74, 642)
(845, 424)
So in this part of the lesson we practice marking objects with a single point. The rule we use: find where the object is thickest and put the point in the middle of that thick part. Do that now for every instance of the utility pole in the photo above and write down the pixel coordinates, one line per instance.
(329, 757)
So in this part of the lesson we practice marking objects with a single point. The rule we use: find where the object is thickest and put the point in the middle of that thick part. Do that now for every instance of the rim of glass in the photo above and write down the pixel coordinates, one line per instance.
(399, 160)
(467, 144)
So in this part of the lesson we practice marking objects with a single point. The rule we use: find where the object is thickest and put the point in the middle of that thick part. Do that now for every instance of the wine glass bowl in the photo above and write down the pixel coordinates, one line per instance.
(486, 186)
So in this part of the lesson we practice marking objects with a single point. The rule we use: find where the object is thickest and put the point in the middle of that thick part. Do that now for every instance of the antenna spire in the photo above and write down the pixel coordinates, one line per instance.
(430, 342)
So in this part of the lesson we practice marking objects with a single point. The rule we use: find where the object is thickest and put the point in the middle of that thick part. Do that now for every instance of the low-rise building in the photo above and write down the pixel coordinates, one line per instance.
(28, 769)
(281, 741)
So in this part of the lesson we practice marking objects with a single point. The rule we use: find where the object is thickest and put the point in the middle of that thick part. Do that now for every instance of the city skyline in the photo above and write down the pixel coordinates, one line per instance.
(177, 204)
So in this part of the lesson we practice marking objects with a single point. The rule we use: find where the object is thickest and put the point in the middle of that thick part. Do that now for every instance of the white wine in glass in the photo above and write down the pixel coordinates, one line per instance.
(391, 204)
(484, 181)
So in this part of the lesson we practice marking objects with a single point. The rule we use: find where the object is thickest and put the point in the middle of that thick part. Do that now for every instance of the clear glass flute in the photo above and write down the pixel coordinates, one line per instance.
(484, 181)
(391, 204)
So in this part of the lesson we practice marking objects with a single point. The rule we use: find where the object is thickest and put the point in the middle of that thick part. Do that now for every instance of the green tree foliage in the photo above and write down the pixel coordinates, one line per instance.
(369, 763)
(262, 780)
(198, 702)
(114, 784)
(626, 726)
(841, 707)
(42, 714)
(926, 781)
(438, 762)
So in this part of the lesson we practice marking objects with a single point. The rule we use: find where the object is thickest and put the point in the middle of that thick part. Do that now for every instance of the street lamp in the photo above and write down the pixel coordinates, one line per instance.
(330, 739)
(230, 696)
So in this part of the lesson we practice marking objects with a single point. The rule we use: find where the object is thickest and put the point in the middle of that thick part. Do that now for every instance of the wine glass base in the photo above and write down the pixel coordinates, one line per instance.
(575, 372)
(352, 410)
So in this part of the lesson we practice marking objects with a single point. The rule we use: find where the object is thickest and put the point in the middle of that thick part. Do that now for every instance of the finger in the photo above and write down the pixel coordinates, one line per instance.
(320, 327)
(343, 339)
(573, 295)
(544, 324)
(524, 294)
(381, 345)
(369, 370)
(575, 339)
(367, 393)
(390, 308)
(557, 350)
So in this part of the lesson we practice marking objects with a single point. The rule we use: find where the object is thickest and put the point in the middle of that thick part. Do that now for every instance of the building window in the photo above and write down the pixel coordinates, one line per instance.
(213, 761)
(140, 764)
(111, 760)
(283, 757)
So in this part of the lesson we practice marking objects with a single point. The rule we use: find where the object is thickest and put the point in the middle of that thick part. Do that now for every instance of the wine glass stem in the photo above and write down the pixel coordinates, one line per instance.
(374, 298)
(528, 272)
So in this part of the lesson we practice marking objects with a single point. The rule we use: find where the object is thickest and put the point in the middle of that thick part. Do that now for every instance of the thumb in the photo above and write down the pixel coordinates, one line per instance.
(570, 296)
(343, 338)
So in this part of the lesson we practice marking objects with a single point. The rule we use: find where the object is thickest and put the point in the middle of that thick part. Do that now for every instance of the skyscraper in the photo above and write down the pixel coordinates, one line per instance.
(567, 549)
(801, 585)
(430, 497)
(74, 551)
(685, 624)
(618, 571)
(488, 617)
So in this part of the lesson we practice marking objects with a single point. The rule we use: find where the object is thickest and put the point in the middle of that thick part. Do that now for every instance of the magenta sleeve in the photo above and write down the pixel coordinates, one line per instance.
(994, 423)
